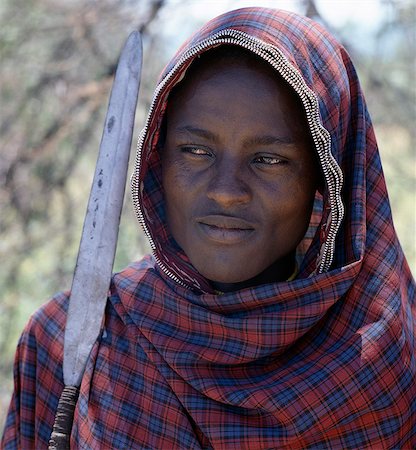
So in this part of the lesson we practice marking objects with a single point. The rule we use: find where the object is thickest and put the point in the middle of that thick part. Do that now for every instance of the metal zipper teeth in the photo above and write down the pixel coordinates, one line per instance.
(320, 136)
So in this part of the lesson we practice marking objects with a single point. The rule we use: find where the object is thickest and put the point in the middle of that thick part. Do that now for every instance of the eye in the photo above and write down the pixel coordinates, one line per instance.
(195, 150)
(268, 160)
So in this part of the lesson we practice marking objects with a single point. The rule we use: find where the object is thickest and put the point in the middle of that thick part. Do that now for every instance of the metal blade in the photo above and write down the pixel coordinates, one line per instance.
(99, 236)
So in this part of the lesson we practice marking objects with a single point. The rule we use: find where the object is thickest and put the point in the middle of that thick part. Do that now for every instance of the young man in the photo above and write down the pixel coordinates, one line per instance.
(277, 310)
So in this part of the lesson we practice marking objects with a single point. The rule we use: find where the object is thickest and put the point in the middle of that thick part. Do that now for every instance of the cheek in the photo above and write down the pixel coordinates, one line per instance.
(173, 177)
(178, 199)
(171, 189)
(302, 210)
(172, 173)
(292, 207)
(177, 175)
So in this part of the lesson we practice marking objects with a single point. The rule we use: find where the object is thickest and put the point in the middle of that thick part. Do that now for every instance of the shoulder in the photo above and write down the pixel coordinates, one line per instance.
(46, 326)
(134, 274)
(57, 305)
(49, 320)
(42, 340)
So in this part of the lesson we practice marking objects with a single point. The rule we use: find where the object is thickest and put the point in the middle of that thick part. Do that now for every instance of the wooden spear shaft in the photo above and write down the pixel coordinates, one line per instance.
(96, 253)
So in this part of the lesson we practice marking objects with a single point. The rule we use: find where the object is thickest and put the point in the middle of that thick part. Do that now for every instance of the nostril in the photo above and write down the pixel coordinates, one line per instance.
(228, 191)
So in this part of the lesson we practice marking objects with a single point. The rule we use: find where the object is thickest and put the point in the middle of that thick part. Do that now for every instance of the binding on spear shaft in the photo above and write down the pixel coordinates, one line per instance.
(99, 236)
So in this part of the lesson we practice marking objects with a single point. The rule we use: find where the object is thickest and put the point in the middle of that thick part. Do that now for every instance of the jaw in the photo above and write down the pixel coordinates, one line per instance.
(278, 271)
(239, 264)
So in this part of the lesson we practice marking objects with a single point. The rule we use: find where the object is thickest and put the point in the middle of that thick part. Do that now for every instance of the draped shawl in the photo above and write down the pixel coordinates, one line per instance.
(324, 361)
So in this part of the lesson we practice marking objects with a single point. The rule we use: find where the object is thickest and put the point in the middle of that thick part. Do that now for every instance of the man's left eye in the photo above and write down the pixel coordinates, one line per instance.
(270, 160)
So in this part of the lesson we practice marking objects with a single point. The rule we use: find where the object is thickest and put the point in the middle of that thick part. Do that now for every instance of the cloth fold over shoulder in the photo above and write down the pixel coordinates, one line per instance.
(323, 361)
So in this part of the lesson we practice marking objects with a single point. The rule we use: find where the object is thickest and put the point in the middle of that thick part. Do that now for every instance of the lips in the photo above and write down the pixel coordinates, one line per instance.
(225, 229)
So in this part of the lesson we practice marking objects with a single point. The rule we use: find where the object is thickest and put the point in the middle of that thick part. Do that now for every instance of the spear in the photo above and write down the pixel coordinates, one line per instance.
(95, 260)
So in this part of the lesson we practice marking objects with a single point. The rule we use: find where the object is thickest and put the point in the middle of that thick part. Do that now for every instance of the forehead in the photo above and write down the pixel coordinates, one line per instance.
(219, 61)
(235, 85)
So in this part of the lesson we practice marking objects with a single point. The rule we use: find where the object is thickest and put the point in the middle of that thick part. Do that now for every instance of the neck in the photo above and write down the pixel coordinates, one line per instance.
(280, 270)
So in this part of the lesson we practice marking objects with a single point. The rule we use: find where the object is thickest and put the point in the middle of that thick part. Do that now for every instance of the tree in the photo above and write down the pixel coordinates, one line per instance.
(57, 64)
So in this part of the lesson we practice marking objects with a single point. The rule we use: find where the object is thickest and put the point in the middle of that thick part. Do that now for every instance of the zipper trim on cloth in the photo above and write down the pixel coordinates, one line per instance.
(321, 137)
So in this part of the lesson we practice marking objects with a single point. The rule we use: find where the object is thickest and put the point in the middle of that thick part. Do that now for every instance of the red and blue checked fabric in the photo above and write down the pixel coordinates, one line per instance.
(324, 361)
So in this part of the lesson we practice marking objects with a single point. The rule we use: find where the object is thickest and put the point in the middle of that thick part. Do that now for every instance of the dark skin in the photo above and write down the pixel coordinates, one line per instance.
(239, 173)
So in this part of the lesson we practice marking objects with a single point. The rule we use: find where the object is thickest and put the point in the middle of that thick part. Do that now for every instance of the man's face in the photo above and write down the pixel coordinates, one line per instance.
(239, 172)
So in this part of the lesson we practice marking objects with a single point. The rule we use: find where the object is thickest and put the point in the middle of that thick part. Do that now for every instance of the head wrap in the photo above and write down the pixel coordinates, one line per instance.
(327, 359)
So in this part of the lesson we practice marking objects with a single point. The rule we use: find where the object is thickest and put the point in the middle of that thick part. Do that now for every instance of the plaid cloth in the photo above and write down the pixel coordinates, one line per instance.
(324, 361)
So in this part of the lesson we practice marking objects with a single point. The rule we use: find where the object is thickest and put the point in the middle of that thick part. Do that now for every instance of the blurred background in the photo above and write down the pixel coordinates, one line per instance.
(57, 64)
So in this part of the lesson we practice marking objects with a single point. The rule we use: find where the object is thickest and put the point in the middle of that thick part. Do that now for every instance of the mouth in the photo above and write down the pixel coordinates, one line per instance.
(225, 229)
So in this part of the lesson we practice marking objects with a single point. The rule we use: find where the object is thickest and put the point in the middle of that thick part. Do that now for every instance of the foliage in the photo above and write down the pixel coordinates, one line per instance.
(57, 63)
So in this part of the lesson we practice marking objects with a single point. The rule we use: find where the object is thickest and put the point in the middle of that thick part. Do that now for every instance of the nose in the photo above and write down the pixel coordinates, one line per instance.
(228, 185)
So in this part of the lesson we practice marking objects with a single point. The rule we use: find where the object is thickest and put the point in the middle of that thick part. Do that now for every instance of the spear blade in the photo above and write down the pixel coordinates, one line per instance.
(95, 260)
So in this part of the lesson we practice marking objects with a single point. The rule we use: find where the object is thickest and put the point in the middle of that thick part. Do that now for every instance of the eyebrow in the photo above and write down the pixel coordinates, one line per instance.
(198, 132)
(255, 140)
(269, 140)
